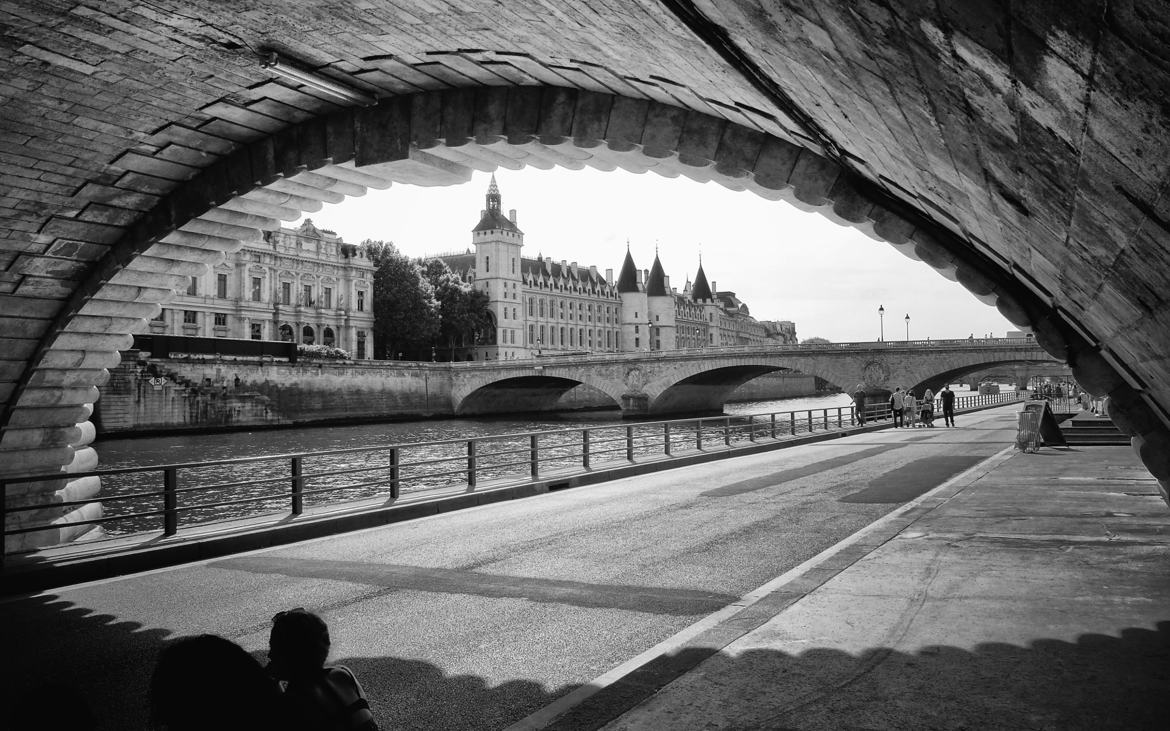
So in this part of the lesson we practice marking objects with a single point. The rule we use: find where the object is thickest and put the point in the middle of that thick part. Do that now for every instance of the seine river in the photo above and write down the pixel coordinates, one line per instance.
(252, 488)
(141, 451)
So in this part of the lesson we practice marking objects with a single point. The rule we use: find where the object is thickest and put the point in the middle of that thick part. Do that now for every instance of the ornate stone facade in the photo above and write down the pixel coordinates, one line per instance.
(544, 307)
(304, 285)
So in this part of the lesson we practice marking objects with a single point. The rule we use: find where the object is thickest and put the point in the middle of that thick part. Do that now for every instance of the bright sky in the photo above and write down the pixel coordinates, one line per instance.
(784, 263)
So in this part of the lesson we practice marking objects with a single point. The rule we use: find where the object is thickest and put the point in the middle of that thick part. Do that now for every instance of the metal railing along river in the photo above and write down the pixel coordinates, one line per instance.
(172, 497)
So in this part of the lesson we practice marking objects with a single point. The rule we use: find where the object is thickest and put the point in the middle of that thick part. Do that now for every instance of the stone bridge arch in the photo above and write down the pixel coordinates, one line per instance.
(432, 138)
(704, 385)
(526, 390)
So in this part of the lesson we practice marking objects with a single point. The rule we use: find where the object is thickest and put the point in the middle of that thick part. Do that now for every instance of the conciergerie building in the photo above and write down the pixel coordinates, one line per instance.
(544, 307)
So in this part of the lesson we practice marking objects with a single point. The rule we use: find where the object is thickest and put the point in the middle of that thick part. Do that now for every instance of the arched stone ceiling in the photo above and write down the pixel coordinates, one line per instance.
(1021, 149)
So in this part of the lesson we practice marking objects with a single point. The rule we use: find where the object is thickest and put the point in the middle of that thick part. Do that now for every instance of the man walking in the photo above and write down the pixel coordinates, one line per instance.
(897, 402)
(859, 403)
(948, 404)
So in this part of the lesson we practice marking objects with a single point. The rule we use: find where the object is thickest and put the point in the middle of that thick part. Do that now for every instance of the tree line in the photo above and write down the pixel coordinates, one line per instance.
(422, 309)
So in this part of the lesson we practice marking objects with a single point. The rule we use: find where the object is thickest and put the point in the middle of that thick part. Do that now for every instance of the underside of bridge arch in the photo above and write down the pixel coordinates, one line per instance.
(707, 392)
(172, 199)
(533, 394)
(936, 381)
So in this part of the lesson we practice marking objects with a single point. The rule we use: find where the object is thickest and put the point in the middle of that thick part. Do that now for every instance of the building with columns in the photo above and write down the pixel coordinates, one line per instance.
(303, 285)
(544, 307)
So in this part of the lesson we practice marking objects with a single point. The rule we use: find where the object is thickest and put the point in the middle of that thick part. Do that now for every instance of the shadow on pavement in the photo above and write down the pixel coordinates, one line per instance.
(1097, 682)
(52, 642)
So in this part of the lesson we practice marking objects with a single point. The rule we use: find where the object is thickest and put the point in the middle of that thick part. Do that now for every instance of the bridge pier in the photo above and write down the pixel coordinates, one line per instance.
(635, 405)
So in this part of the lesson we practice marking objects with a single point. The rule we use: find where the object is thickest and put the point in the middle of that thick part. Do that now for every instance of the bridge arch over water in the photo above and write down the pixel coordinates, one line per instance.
(192, 150)
(697, 381)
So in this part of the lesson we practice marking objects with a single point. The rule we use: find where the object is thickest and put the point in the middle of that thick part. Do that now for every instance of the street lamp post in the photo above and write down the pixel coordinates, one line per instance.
(649, 334)
(882, 323)
(907, 327)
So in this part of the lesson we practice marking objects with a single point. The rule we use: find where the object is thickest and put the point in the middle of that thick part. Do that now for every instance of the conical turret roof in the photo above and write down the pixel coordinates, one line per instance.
(700, 290)
(656, 283)
(628, 279)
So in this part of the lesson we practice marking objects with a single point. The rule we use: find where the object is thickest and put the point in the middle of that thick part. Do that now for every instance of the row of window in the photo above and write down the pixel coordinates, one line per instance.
(579, 311)
(304, 298)
(547, 337)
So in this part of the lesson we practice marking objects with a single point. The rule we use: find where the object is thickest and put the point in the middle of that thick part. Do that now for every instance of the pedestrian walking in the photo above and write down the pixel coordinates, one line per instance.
(910, 410)
(928, 408)
(897, 401)
(948, 405)
(859, 403)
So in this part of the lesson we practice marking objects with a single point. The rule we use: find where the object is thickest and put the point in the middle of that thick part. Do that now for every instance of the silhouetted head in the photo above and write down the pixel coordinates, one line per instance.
(298, 645)
(206, 682)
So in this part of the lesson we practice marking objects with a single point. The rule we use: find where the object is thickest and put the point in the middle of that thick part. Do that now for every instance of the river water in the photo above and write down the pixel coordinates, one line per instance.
(263, 486)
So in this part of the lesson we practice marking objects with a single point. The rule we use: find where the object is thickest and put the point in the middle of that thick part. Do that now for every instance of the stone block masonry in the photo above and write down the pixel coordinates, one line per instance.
(205, 395)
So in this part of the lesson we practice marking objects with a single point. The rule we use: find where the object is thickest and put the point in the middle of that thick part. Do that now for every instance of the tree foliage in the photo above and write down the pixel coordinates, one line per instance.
(463, 310)
(406, 313)
(815, 341)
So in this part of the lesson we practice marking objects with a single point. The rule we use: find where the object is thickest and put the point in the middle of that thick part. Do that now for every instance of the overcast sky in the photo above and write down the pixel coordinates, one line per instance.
(784, 263)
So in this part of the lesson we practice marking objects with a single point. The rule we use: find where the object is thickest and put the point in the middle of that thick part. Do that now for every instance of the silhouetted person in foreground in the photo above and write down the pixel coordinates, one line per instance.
(206, 682)
(318, 697)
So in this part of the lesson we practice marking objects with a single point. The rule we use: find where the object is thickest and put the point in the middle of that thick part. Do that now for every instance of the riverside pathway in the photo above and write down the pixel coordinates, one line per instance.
(792, 589)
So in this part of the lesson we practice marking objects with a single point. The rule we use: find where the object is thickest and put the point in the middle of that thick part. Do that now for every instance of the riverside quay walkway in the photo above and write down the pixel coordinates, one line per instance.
(160, 514)
(896, 578)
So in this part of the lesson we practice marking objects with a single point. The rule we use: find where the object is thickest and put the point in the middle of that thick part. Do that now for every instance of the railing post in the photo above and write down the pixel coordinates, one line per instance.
(825, 418)
(810, 421)
(629, 443)
(585, 448)
(470, 464)
(838, 417)
(534, 455)
(170, 501)
(751, 428)
(773, 415)
(699, 435)
(727, 431)
(792, 422)
(395, 476)
(298, 486)
(666, 438)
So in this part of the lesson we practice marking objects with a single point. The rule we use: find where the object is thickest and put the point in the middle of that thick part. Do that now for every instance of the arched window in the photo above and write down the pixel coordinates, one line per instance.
(307, 335)
(327, 337)
(286, 334)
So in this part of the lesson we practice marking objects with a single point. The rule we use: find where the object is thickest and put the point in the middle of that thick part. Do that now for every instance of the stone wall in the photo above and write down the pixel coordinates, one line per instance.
(195, 394)
(774, 386)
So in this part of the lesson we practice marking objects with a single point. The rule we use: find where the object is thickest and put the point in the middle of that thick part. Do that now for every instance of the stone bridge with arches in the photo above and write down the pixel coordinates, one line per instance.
(696, 381)
(1020, 149)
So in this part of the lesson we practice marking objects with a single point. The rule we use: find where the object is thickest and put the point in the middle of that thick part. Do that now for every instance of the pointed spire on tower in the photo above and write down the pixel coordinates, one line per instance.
(628, 279)
(656, 282)
(493, 217)
(701, 290)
